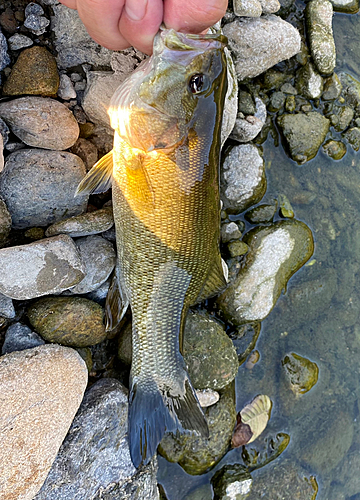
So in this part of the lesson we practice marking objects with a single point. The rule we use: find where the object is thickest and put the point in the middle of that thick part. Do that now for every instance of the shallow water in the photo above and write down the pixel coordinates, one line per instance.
(318, 318)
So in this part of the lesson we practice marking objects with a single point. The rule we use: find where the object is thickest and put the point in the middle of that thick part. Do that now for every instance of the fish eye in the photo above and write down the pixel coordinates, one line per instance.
(196, 83)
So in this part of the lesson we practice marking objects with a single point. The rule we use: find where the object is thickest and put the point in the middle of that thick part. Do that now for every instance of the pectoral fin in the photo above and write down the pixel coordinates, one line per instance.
(215, 282)
(139, 182)
(98, 179)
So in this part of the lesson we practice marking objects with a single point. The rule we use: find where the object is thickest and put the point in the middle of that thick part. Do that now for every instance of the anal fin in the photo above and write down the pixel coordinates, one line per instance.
(99, 178)
(215, 281)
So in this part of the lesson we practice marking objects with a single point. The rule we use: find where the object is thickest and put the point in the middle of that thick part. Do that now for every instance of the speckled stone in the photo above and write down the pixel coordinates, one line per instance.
(319, 14)
(40, 268)
(41, 390)
(85, 224)
(19, 337)
(34, 73)
(70, 321)
(7, 309)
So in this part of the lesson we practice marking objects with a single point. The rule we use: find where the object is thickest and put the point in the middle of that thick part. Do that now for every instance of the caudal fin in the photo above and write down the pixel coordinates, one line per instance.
(154, 410)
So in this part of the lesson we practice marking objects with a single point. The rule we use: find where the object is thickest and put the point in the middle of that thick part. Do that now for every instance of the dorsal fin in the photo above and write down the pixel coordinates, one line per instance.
(98, 179)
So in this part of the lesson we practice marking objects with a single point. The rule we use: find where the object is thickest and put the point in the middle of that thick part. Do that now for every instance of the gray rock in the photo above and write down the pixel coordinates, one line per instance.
(41, 390)
(247, 129)
(40, 268)
(66, 89)
(247, 8)
(319, 14)
(230, 232)
(6, 307)
(350, 91)
(353, 137)
(84, 225)
(243, 181)
(4, 56)
(257, 44)
(332, 88)
(207, 397)
(73, 43)
(17, 41)
(298, 130)
(99, 258)
(36, 24)
(4, 132)
(270, 6)
(1, 153)
(5, 222)
(94, 460)
(38, 186)
(41, 122)
(33, 8)
(309, 82)
(276, 252)
(19, 337)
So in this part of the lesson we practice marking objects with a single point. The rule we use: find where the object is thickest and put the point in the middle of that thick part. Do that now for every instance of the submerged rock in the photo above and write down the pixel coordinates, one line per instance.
(346, 6)
(246, 129)
(335, 149)
(319, 14)
(84, 224)
(41, 390)
(19, 337)
(94, 459)
(353, 137)
(350, 91)
(298, 132)
(69, 321)
(231, 482)
(40, 268)
(301, 373)
(276, 252)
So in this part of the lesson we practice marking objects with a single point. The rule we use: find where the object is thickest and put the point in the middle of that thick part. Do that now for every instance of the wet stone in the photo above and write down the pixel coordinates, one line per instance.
(6, 307)
(319, 14)
(301, 373)
(99, 258)
(237, 248)
(276, 252)
(207, 397)
(85, 224)
(261, 213)
(208, 367)
(353, 137)
(309, 82)
(40, 268)
(332, 88)
(19, 337)
(70, 321)
(277, 101)
(41, 390)
(38, 187)
(41, 122)
(346, 6)
(17, 42)
(231, 482)
(335, 149)
(230, 231)
(94, 459)
(34, 72)
(350, 91)
(243, 181)
(342, 118)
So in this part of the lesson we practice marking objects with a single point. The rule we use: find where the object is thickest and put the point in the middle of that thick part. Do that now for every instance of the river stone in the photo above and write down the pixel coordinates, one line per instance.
(34, 72)
(335, 149)
(99, 258)
(353, 137)
(19, 337)
(94, 460)
(6, 307)
(66, 89)
(276, 252)
(247, 8)
(229, 232)
(350, 91)
(36, 24)
(38, 187)
(332, 88)
(70, 321)
(246, 129)
(85, 224)
(5, 221)
(17, 41)
(40, 268)
(231, 482)
(196, 454)
(243, 181)
(308, 82)
(346, 6)
(270, 6)
(319, 14)
(41, 122)
(257, 44)
(41, 390)
(208, 367)
(298, 130)
(4, 56)
(87, 151)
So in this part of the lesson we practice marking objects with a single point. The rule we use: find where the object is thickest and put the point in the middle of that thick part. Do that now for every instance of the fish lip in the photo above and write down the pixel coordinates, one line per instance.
(177, 41)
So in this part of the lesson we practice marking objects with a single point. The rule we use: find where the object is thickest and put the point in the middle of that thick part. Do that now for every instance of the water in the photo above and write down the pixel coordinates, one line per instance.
(317, 318)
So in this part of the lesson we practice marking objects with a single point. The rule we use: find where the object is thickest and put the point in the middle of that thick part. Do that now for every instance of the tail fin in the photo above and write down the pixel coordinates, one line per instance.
(154, 410)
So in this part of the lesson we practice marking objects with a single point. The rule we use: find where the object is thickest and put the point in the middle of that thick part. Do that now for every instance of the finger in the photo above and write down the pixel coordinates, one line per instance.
(101, 19)
(197, 17)
(140, 21)
(69, 3)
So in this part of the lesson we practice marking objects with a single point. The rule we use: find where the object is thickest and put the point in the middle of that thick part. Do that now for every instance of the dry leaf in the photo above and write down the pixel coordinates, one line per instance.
(256, 415)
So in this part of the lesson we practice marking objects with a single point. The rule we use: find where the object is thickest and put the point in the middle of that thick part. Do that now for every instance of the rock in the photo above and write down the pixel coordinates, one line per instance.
(34, 19)
(70, 321)
(230, 232)
(4, 132)
(99, 258)
(66, 89)
(247, 129)
(6, 307)
(208, 367)
(277, 101)
(94, 460)
(301, 373)
(270, 6)
(353, 137)
(247, 8)
(5, 222)
(34, 72)
(207, 397)
(335, 149)
(4, 56)
(41, 122)
(298, 132)
(351, 91)
(40, 268)
(346, 6)
(319, 14)
(286, 210)
(231, 482)
(276, 252)
(237, 248)
(19, 337)
(35, 233)
(261, 213)
(38, 186)
(41, 390)
(257, 44)
(17, 42)
(243, 181)
(73, 43)
(309, 82)
(87, 152)
(332, 88)
(196, 454)
(8, 22)
(342, 117)
(85, 224)
(1, 153)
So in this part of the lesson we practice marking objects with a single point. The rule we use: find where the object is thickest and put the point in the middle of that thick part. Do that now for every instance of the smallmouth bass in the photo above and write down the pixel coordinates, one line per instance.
(164, 174)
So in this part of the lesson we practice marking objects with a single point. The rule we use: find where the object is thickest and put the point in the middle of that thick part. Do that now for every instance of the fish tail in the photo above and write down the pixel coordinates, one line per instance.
(153, 410)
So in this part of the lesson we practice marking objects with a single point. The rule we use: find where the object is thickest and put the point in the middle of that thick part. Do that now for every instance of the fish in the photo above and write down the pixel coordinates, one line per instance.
(164, 173)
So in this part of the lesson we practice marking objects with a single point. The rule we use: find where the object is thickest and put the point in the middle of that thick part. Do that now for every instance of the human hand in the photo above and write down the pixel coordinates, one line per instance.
(118, 24)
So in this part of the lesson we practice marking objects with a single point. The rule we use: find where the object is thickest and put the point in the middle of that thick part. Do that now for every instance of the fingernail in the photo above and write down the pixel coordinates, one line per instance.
(136, 9)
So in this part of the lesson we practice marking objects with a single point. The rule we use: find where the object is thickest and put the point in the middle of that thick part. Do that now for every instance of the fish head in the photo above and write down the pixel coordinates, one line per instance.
(156, 107)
